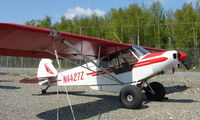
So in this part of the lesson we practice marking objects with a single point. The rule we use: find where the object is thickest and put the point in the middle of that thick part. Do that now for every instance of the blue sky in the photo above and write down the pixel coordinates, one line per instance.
(19, 11)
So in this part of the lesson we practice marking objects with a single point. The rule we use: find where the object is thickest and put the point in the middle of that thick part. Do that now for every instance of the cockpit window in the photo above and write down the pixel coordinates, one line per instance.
(104, 62)
(119, 62)
(139, 51)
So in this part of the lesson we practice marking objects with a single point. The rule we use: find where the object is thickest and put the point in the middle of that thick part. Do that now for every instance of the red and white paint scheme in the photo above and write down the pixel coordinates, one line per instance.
(112, 66)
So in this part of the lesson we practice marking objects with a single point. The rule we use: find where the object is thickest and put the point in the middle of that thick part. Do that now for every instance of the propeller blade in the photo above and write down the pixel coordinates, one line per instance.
(185, 65)
(172, 43)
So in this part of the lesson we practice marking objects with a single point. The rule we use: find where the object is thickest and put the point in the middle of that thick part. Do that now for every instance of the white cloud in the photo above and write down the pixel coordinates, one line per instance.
(163, 2)
(78, 11)
(191, 1)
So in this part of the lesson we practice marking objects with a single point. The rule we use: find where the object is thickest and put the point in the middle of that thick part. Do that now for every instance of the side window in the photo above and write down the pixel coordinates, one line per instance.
(115, 62)
(130, 58)
(122, 62)
(104, 62)
(119, 62)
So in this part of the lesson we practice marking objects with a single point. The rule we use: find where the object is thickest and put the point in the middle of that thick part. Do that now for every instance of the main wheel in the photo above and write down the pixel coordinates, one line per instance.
(158, 92)
(131, 96)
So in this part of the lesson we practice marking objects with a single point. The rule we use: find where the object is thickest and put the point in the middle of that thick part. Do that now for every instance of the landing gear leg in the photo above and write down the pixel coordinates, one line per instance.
(44, 91)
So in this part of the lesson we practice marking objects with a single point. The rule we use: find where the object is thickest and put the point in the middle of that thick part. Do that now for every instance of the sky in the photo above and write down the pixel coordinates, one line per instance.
(20, 11)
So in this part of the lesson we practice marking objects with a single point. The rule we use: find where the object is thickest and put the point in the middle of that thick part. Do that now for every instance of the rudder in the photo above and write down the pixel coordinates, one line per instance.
(46, 69)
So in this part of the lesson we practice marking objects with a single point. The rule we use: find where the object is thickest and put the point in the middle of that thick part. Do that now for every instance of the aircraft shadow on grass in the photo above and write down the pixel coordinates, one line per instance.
(97, 108)
(85, 110)
(169, 90)
(6, 86)
(59, 92)
(6, 81)
(9, 87)
(3, 73)
(174, 89)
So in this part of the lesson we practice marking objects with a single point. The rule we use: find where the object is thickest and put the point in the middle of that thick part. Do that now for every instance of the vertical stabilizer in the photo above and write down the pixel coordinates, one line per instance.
(46, 69)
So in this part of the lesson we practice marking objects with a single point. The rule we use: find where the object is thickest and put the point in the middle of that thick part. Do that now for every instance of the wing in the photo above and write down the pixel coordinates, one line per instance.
(153, 50)
(26, 41)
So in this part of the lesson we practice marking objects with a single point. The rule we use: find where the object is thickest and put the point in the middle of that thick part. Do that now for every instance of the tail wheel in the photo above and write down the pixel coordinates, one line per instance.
(156, 92)
(44, 91)
(131, 96)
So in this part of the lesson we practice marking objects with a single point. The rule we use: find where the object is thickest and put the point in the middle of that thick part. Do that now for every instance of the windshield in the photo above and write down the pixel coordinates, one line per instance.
(139, 51)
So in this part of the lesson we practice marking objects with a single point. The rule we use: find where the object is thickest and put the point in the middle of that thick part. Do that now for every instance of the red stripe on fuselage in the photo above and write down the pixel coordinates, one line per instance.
(158, 60)
(100, 72)
(152, 61)
(91, 73)
(144, 63)
(153, 55)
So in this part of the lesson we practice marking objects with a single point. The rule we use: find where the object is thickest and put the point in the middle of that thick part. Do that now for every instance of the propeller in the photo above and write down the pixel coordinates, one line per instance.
(185, 64)
(181, 55)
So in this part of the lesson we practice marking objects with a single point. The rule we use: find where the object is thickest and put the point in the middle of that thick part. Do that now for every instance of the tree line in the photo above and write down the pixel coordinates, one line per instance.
(136, 25)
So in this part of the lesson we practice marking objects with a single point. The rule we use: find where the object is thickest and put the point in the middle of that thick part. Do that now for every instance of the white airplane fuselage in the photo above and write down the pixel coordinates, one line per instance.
(146, 67)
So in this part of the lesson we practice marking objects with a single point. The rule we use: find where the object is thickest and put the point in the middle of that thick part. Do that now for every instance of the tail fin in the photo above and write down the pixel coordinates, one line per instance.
(46, 69)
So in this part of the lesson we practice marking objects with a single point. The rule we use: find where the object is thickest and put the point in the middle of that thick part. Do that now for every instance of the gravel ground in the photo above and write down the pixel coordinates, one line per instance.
(25, 102)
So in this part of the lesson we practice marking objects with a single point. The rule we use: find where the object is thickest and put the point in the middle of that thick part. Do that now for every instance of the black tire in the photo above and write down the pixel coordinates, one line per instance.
(44, 91)
(158, 89)
(131, 96)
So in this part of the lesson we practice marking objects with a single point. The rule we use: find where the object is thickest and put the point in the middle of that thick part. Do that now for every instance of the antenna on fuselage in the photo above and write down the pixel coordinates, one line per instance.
(117, 37)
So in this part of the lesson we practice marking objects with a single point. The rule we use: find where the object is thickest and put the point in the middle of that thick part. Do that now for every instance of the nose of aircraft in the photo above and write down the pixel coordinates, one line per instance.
(181, 56)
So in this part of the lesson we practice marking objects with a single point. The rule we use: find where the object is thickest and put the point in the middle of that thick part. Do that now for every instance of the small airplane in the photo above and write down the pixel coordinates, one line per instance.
(111, 66)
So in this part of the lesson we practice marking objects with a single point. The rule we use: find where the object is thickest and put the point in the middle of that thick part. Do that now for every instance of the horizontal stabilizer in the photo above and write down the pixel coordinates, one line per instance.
(31, 80)
(35, 80)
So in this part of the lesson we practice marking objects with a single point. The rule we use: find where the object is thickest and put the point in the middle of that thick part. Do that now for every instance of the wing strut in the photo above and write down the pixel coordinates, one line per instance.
(99, 53)
(56, 34)
(84, 56)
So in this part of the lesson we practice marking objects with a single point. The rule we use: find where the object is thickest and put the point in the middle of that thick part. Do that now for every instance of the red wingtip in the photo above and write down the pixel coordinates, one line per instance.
(182, 56)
